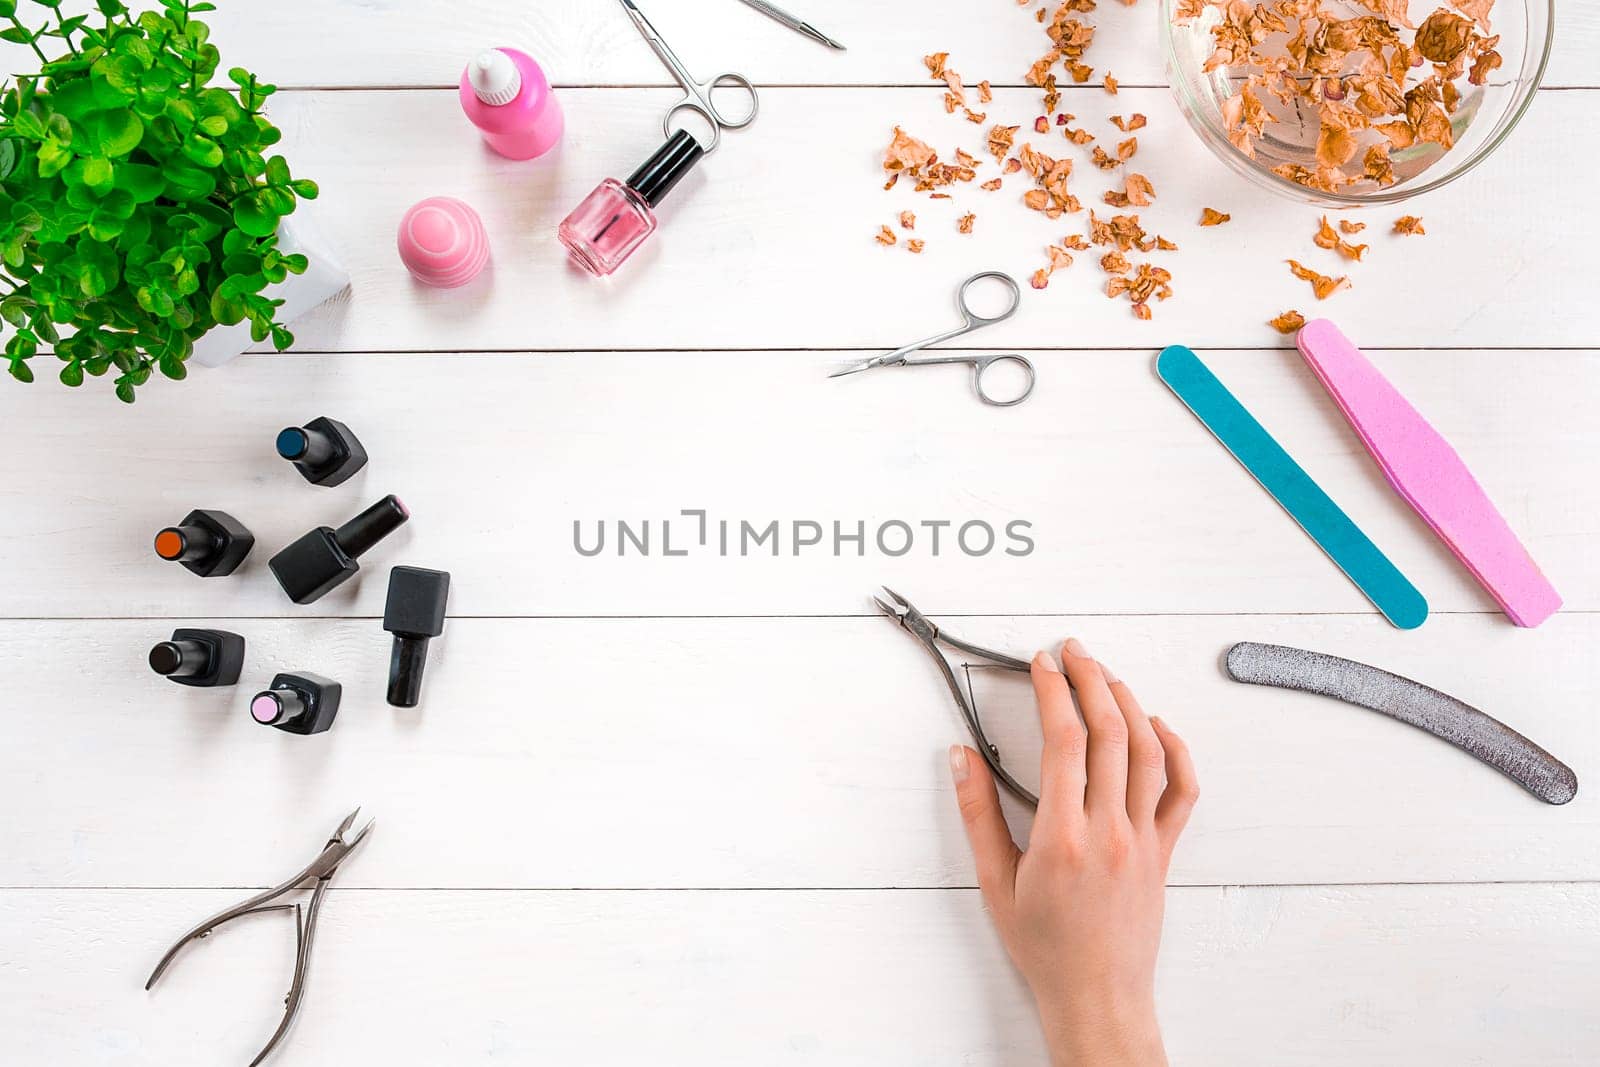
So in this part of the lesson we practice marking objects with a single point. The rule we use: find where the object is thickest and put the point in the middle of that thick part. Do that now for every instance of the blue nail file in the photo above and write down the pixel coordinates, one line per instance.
(1292, 487)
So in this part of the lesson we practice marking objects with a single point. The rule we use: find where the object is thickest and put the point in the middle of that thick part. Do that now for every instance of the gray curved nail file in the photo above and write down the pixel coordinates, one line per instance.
(1482, 737)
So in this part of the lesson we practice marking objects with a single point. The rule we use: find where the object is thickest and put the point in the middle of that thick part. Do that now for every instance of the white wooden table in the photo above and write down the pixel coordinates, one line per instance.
(694, 809)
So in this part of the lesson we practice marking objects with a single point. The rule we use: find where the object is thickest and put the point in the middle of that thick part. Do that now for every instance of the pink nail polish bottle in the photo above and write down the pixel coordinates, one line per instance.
(614, 220)
(507, 96)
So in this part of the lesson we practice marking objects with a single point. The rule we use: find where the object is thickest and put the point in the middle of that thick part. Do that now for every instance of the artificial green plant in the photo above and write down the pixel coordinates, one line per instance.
(138, 207)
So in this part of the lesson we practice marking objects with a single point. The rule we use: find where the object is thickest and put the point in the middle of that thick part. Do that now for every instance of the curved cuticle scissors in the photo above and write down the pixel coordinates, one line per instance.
(930, 637)
(320, 871)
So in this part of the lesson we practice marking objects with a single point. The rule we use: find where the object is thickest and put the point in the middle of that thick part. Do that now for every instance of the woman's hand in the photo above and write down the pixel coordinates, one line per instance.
(1080, 911)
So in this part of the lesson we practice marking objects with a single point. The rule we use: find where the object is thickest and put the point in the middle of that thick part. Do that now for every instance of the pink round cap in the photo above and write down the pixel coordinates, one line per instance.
(442, 242)
(264, 708)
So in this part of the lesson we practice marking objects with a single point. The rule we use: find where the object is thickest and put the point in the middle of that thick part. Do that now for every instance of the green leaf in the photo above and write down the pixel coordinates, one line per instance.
(16, 35)
(173, 367)
(214, 125)
(125, 392)
(296, 263)
(72, 374)
(186, 183)
(8, 158)
(21, 371)
(28, 123)
(305, 188)
(7, 8)
(98, 174)
(115, 133)
(14, 309)
(254, 217)
(110, 8)
(202, 151)
(140, 181)
(278, 171)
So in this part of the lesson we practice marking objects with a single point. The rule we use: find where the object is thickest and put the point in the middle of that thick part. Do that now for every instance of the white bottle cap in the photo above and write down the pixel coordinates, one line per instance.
(495, 78)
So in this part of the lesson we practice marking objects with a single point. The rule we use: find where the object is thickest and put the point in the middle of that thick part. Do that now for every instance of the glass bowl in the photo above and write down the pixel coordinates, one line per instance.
(1484, 117)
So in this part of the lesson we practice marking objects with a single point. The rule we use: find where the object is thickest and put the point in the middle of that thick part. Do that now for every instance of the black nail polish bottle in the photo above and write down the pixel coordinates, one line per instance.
(325, 558)
(210, 543)
(301, 703)
(199, 657)
(414, 613)
(323, 450)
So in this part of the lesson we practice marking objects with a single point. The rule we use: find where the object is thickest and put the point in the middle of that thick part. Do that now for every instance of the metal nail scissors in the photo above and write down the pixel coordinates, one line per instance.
(973, 321)
(699, 97)
(930, 637)
(320, 870)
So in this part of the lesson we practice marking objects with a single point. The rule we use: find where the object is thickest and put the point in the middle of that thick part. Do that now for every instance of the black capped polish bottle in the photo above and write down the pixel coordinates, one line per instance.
(615, 219)
(297, 703)
(318, 562)
(208, 542)
(202, 658)
(324, 451)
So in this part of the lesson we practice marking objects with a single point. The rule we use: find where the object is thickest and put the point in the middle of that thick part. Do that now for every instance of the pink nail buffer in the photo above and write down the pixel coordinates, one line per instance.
(1428, 473)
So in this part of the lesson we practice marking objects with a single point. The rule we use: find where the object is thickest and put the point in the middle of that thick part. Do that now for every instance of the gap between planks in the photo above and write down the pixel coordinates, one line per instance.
(545, 890)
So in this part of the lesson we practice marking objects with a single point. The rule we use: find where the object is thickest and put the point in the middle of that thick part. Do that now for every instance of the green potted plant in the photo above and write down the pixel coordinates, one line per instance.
(139, 207)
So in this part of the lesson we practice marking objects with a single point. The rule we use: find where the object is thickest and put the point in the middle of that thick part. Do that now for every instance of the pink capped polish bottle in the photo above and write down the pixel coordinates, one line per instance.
(507, 96)
(614, 220)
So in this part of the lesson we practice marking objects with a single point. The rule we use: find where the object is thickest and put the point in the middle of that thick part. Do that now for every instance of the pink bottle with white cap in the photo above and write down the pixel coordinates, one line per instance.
(507, 96)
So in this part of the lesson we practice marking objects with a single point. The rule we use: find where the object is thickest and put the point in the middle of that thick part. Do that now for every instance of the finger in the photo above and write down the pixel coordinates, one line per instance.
(1183, 787)
(994, 852)
(1107, 760)
(1146, 758)
(1061, 765)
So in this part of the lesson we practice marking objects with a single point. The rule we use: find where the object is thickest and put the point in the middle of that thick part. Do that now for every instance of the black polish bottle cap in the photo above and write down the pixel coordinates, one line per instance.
(372, 526)
(657, 175)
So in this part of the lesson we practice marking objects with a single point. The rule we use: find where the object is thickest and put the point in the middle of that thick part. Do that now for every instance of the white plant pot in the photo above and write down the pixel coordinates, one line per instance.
(324, 278)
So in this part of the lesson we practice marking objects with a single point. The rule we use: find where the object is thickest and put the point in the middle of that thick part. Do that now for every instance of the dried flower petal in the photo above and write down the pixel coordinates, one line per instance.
(915, 245)
(1126, 149)
(1111, 85)
(985, 93)
(1321, 284)
(992, 184)
(1128, 125)
(1348, 226)
(1041, 278)
(1288, 322)
(1137, 192)
(908, 221)
(886, 236)
(1141, 310)
(1213, 217)
(1409, 225)
(1000, 138)
(964, 223)
(1326, 237)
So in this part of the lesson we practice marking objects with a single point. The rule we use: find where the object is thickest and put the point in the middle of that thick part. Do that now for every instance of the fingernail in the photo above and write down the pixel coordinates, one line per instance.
(1075, 647)
(1158, 722)
(1111, 676)
(1043, 661)
(958, 763)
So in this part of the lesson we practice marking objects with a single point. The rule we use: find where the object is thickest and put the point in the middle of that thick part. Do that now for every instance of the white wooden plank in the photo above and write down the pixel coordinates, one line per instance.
(1134, 507)
(591, 42)
(1383, 975)
(770, 243)
(754, 753)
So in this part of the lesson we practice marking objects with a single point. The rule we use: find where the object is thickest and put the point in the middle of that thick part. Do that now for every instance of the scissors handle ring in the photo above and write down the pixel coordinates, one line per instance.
(1011, 286)
(691, 103)
(981, 365)
(730, 80)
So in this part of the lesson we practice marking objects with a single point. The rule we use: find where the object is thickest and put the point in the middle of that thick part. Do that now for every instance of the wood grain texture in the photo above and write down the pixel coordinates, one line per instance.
(1491, 975)
(756, 753)
(769, 243)
(499, 455)
(591, 42)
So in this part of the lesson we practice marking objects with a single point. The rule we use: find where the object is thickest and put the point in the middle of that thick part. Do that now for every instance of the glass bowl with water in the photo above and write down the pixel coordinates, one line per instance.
(1483, 118)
